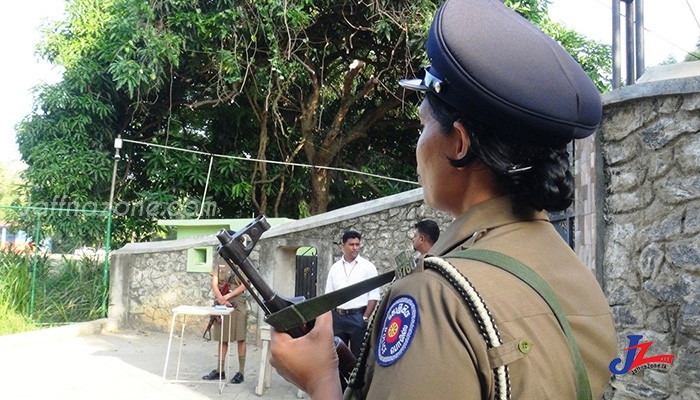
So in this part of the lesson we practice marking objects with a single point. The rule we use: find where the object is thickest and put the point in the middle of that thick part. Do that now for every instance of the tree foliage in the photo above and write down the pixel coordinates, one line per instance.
(695, 54)
(273, 85)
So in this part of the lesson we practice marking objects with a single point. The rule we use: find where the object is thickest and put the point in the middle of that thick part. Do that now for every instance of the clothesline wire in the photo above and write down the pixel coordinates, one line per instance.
(351, 171)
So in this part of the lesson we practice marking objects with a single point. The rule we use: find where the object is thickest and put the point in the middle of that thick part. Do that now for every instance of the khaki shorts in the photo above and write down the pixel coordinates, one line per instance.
(236, 323)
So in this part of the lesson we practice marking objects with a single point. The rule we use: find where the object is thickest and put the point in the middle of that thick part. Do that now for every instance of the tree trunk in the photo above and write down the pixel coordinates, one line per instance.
(319, 191)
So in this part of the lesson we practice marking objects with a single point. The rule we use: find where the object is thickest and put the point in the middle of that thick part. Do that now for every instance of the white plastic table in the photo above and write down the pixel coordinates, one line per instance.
(193, 310)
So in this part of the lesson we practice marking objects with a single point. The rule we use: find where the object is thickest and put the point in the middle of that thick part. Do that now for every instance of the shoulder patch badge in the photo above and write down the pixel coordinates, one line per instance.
(398, 328)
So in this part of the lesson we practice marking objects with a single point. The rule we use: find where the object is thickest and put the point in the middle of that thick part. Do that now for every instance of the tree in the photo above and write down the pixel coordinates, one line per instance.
(270, 84)
(321, 75)
(695, 55)
(9, 182)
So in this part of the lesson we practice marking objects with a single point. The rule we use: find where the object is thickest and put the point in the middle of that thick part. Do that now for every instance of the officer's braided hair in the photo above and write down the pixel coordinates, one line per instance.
(547, 185)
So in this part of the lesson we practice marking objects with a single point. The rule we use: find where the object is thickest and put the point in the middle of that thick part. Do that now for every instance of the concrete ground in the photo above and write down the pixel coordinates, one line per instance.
(82, 363)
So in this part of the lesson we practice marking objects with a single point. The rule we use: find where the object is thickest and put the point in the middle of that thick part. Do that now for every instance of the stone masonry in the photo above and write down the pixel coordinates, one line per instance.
(651, 234)
(149, 279)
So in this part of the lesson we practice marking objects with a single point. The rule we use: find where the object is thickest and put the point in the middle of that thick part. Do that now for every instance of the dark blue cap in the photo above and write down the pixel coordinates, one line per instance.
(495, 66)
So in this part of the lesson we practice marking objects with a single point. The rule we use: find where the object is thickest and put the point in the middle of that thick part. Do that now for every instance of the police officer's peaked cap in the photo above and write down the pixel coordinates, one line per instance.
(496, 67)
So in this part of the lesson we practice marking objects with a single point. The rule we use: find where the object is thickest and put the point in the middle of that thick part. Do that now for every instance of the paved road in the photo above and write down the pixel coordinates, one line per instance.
(56, 363)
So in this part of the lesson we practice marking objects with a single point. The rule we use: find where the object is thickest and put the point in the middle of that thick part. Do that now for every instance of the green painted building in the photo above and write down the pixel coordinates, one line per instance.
(201, 259)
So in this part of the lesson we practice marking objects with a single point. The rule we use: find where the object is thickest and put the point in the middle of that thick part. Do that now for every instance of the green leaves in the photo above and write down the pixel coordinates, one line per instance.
(241, 189)
(253, 79)
(146, 53)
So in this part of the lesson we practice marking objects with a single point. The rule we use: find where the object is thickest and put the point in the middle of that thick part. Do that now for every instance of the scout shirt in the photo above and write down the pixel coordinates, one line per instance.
(226, 275)
(440, 353)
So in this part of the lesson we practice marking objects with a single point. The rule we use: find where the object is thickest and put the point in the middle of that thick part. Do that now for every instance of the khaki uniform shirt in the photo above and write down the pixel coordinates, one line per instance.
(447, 358)
(236, 323)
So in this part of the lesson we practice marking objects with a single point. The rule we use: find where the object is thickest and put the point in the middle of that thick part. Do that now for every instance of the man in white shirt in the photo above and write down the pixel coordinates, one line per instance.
(350, 318)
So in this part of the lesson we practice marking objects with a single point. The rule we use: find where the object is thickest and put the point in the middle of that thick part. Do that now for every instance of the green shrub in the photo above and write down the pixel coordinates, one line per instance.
(15, 286)
(65, 290)
(15, 282)
(13, 322)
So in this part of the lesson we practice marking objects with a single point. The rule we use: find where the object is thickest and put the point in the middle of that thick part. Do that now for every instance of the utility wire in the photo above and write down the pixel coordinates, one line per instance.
(270, 161)
(693, 13)
(669, 41)
(622, 14)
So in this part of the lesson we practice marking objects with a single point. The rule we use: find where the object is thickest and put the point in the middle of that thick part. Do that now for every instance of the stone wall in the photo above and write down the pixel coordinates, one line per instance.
(149, 279)
(650, 142)
(386, 226)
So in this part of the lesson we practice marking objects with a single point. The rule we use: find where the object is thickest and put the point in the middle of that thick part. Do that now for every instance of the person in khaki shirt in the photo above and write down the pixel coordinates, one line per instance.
(502, 101)
(228, 291)
(447, 346)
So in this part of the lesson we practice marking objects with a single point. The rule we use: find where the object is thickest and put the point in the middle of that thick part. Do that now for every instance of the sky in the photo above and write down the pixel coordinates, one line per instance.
(671, 28)
(21, 70)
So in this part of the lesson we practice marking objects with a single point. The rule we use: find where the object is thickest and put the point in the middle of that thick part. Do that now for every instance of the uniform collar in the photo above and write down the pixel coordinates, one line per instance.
(478, 220)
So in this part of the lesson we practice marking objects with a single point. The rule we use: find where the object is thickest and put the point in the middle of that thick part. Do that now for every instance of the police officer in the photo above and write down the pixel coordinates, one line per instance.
(426, 233)
(228, 291)
(502, 100)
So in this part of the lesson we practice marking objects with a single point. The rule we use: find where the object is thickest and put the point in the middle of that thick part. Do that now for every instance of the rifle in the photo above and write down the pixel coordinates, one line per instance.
(207, 330)
(225, 288)
(235, 248)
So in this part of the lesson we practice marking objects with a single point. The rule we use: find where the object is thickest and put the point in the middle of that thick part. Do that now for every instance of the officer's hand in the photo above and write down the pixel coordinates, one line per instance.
(310, 362)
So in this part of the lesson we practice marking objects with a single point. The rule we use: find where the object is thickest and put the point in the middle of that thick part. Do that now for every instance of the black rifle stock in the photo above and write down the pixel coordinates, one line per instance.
(235, 248)
(207, 330)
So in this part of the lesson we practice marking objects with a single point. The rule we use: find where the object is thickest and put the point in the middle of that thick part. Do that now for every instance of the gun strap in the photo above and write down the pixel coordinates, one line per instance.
(527, 275)
(300, 313)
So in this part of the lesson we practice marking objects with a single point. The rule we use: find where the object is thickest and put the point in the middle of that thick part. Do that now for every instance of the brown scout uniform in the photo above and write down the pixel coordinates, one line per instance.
(237, 325)
(447, 357)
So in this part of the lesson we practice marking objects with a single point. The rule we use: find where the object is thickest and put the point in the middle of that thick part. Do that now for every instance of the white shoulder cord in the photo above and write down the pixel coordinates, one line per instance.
(481, 314)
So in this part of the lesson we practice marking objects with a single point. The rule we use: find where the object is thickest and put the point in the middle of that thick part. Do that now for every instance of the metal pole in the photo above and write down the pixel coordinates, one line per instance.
(629, 38)
(108, 237)
(117, 157)
(35, 259)
(639, 37)
(616, 39)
